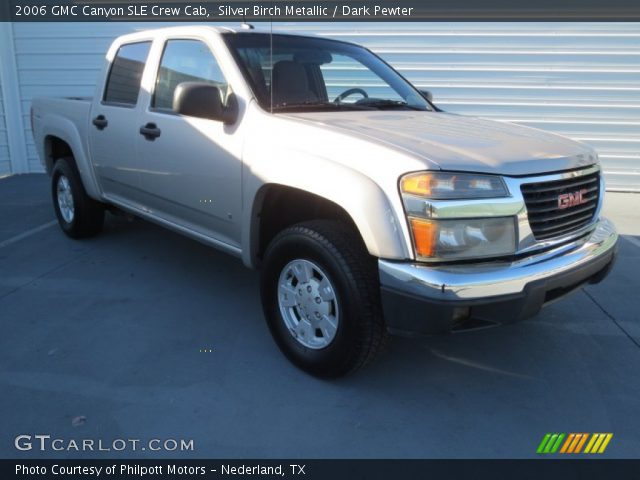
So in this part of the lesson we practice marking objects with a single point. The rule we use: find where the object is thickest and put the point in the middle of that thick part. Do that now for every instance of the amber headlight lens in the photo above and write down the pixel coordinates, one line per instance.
(452, 185)
(463, 239)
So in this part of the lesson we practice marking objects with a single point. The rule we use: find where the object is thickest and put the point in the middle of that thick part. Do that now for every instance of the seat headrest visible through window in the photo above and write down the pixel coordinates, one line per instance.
(290, 83)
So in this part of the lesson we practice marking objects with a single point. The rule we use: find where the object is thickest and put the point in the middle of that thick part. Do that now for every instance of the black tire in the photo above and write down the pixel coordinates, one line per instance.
(340, 252)
(88, 215)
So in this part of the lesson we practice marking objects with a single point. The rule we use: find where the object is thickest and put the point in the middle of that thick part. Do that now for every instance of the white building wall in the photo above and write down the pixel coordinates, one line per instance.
(11, 141)
(577, 79)
(5, 166)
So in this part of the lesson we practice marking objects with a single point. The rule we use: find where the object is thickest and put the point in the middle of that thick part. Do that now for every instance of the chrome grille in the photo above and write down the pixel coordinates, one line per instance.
(546, 217)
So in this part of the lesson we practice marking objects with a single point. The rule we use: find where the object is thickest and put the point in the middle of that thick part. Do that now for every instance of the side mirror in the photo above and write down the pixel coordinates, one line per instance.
(203, 100)
(427, 94)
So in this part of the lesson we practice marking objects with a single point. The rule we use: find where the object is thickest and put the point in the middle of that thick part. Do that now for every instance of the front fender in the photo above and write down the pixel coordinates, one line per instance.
(364, 200)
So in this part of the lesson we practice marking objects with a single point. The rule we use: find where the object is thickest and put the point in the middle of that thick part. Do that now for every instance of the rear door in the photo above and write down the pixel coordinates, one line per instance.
(191, 167)
(114, 123)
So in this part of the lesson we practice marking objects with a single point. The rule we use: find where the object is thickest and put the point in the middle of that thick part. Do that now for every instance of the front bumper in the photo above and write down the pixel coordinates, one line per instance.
(423, 299)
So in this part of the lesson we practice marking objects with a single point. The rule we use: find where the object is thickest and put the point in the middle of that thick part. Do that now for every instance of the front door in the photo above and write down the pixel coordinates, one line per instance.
(190, 167)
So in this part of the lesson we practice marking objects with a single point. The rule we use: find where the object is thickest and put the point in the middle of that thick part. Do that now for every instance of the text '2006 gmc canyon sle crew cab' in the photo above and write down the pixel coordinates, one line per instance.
(367, 209)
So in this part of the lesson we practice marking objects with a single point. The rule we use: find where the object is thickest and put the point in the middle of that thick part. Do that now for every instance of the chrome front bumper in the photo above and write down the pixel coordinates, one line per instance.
(528, 280)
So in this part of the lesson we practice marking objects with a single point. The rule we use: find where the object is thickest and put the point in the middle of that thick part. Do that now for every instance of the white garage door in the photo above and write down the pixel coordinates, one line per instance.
(577, 79)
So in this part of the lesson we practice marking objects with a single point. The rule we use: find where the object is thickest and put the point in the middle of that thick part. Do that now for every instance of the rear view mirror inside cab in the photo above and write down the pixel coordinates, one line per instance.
(314, 57)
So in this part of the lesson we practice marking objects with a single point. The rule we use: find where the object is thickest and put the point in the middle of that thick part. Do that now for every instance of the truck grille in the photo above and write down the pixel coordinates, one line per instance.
(559, 207)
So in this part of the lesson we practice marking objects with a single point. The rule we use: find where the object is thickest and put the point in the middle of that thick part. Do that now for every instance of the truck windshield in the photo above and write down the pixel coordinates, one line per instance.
(295, 73)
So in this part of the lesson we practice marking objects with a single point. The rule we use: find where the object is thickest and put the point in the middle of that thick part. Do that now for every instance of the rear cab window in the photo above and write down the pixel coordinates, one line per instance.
(125, 76)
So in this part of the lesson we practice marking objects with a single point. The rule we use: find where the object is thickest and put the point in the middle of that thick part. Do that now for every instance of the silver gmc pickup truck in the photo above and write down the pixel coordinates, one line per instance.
(366, 208)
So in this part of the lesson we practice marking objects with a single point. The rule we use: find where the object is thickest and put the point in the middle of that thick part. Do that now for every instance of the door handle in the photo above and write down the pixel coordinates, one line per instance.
(150, 131)
(100, 122)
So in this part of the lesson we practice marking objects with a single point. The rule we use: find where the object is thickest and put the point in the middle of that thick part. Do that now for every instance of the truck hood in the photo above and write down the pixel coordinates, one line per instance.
(454, 142)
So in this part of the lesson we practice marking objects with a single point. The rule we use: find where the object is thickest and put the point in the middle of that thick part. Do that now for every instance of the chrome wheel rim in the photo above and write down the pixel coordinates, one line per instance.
(65, 199)
(308, 304)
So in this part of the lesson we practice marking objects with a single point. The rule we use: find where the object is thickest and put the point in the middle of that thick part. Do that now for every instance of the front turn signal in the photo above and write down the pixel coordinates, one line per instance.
(424, 236)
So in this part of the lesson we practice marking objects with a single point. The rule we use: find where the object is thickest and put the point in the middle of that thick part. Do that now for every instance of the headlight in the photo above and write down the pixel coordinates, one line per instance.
(456, 239)
(452, 185)
(471, 236)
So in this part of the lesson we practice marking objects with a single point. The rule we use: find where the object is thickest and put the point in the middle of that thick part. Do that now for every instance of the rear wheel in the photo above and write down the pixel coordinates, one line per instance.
(321, 298)
(78, 214)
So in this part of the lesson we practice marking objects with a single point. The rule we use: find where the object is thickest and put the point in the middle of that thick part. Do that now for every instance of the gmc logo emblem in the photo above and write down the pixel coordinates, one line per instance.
(567, 200)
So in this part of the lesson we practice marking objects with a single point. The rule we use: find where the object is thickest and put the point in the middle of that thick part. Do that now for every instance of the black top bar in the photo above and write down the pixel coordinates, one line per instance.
(309, 10)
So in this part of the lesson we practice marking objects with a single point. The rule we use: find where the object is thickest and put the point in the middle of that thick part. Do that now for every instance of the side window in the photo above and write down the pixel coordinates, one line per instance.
(186, 61)
(123, 83)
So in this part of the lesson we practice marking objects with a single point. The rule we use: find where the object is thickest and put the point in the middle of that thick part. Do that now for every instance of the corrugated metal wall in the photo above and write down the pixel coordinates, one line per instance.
(577, 79)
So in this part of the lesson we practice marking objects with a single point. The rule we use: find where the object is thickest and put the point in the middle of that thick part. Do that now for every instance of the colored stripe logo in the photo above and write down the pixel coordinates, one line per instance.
(574, 443)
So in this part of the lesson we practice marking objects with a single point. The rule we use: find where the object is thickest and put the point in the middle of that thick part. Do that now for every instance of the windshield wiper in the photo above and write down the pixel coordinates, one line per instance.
(385, 103)
(314, 104)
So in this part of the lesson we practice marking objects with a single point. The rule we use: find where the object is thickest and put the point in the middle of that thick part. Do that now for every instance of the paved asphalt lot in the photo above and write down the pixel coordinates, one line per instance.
(106, 335)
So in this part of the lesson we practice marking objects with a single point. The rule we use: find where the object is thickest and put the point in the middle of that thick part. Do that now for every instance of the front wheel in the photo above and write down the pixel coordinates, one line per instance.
(78, 214)
(321, 299)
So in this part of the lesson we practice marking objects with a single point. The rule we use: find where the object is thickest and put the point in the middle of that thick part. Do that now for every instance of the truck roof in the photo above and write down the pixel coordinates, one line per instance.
(186, 29)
